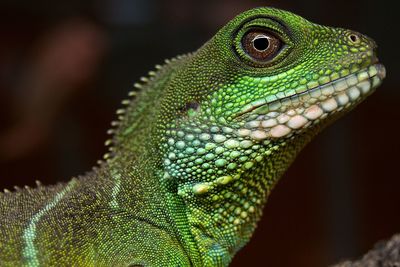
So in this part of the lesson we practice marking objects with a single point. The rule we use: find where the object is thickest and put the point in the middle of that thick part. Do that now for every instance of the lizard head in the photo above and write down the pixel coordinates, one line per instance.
(284, 74)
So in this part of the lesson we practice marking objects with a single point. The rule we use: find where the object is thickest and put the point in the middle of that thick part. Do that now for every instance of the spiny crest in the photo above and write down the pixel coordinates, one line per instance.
(18, 189)
(137, 88)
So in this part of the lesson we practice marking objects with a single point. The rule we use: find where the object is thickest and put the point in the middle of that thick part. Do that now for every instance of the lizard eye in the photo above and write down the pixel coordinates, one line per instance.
(260, 45)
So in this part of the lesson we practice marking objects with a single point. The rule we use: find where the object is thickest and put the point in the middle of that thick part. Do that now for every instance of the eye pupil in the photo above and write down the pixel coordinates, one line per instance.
(261, 42)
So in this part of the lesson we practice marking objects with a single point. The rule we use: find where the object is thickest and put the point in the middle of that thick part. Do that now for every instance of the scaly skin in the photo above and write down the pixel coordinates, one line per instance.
(197, 152)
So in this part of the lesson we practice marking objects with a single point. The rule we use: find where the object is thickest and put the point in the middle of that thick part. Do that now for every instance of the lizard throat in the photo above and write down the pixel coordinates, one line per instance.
(288, 115)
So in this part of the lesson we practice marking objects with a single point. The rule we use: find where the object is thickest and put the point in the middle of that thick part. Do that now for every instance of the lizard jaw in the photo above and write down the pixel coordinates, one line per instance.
(285, 116)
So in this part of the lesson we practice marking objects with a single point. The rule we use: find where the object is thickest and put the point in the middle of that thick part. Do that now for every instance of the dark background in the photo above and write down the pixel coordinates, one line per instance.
(65, 66)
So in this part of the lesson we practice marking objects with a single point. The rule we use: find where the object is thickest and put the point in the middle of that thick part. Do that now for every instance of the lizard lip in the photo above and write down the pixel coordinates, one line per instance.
(374, 73)
(282, 117)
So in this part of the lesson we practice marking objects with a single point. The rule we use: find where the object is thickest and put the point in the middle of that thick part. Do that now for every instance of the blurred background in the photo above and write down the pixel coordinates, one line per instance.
(65, 66)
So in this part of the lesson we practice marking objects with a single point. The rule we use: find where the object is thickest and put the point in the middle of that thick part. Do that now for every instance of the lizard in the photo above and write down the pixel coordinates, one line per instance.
(196, 149)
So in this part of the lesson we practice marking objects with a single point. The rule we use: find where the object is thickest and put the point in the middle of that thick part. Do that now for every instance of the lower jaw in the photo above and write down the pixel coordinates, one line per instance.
(311, 107)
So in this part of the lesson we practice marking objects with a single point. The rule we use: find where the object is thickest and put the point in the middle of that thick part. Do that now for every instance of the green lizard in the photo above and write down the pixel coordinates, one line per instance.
(195, 155)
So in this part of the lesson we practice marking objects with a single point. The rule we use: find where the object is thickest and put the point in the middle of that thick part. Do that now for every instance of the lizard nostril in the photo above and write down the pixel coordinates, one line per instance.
(354, 38)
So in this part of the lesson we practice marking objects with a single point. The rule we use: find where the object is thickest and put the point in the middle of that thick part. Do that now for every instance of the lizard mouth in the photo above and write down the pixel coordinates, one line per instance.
(281, 117)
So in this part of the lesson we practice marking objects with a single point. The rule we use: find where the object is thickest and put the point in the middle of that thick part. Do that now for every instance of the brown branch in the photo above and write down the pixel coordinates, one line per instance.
(384, 254)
